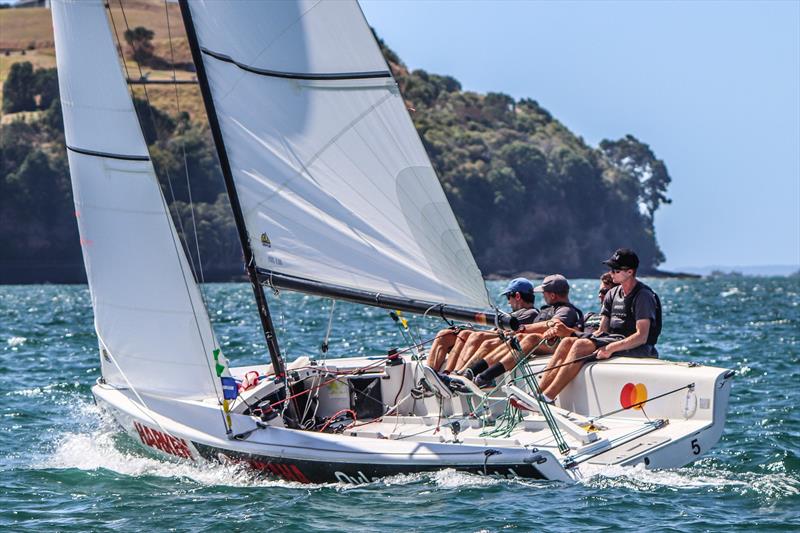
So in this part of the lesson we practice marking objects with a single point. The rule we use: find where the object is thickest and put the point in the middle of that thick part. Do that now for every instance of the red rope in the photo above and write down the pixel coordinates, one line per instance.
(331, 419)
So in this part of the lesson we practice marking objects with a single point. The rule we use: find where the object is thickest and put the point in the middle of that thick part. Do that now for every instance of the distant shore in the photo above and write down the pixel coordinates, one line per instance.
(65, 274)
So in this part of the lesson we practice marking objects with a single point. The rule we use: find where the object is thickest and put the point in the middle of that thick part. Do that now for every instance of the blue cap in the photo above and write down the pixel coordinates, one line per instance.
(520, 285)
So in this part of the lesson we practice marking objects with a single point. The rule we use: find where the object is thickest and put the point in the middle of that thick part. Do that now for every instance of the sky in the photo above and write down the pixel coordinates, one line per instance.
(712, 87)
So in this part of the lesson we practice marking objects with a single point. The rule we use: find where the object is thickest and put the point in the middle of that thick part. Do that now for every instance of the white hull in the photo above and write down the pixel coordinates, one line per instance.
(670, 431)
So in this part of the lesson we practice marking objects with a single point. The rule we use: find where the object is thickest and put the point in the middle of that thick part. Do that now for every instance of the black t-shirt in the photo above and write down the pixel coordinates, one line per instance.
(643, 306)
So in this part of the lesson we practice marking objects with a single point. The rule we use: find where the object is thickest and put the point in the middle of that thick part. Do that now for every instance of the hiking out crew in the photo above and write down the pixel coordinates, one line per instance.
(555, 288)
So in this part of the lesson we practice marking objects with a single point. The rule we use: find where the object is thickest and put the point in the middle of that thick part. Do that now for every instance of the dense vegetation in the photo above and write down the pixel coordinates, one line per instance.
(528, 193)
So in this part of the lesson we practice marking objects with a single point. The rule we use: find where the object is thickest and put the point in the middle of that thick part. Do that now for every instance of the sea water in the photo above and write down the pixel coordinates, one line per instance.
(65, 467)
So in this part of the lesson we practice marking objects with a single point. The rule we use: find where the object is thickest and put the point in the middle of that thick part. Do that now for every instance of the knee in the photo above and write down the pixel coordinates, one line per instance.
(581, 346)
(464, 334)
(445, 334)
(567, 343)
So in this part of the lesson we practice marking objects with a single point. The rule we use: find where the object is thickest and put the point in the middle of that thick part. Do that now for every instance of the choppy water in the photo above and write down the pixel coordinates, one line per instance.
(65, 468)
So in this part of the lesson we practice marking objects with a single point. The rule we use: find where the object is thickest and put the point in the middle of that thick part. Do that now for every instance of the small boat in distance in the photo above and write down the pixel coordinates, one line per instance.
(333, 195)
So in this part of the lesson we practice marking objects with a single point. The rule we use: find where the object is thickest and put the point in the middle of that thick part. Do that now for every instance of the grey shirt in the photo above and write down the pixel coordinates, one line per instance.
(566, 313)
(525, 315)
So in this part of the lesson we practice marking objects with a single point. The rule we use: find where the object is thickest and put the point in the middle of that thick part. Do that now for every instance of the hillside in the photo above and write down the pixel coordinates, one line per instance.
(529, 194)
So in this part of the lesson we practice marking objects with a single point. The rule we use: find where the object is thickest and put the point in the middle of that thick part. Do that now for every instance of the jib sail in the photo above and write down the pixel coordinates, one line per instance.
(152, 324)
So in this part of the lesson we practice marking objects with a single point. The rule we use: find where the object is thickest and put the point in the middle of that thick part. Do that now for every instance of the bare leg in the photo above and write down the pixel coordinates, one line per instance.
(462, 343)
(442, 344)
(510, 358)
(565, 374)
(468, 353)
(489, 346)
(559, 357)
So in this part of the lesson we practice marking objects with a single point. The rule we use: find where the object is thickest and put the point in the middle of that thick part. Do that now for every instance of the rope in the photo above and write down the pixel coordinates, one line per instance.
(183, 147)
(510, 418)
(689, 386)
(324, 346)
(578, 360)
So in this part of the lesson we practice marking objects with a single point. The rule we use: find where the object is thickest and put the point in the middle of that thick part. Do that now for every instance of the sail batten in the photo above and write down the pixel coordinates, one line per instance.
(124, 157)
(299, 75)
(333, 181)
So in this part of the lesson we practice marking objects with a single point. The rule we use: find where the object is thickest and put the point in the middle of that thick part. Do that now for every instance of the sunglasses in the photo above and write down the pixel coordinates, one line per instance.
(617, 270)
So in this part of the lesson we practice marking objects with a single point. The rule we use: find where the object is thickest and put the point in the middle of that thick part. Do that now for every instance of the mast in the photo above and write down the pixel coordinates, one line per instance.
(250, 264)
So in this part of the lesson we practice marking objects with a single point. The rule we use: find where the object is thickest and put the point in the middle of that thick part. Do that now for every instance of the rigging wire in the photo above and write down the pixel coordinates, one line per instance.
(151, 113)
(144, 408)
(183, 148)
(324, 346)
(176, 244)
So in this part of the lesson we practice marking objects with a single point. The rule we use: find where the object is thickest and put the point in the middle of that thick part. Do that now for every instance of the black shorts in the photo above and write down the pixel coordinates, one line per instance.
(645, 350)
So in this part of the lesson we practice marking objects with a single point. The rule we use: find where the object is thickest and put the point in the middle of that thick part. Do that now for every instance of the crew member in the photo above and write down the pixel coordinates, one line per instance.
(450, 343)
(630, 324)
(559, 309)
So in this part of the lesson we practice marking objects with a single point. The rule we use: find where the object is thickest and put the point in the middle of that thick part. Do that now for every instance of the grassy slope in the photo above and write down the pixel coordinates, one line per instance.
(32, 30)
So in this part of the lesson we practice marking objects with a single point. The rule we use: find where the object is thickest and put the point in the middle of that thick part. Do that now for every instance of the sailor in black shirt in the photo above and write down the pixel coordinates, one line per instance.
(630, 325)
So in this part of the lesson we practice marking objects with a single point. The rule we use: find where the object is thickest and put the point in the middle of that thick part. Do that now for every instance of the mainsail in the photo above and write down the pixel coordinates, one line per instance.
(154, 331)
(334, 184)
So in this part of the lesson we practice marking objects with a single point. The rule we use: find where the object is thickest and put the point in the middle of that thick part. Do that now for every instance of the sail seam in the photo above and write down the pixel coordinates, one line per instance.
(298, 75)
(94, 153)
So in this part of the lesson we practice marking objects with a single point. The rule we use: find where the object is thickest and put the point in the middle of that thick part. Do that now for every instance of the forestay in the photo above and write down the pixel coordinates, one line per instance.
(149, 316)
(334, 183)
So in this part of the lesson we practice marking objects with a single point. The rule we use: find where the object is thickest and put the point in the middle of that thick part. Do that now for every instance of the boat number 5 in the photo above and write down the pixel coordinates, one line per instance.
(695, 447)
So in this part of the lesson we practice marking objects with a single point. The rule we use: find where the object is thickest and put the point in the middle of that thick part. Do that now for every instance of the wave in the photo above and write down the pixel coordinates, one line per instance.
(104, 447)
(769, 486)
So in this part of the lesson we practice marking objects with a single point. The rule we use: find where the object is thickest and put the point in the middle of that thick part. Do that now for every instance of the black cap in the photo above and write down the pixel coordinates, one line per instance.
(623, 259)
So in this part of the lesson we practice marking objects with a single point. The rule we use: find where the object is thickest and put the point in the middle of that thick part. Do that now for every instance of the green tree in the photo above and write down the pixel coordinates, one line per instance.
(156, 124)
(19, 88)
(46, 86)
(53, 120)
(638, 160)
(528, 162)
(140, 41)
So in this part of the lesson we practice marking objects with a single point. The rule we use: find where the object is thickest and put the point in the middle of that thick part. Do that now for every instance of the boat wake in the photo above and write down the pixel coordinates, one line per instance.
(769, 486)
(103, 446)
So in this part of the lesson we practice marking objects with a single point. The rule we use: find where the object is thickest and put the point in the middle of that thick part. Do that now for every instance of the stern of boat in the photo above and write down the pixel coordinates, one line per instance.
(685, 404)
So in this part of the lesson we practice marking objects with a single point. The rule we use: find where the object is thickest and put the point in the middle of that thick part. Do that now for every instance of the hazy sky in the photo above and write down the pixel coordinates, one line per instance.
(712, 87)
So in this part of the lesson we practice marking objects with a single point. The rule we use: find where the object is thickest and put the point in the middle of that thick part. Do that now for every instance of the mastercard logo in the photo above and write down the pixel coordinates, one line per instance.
(632, 394)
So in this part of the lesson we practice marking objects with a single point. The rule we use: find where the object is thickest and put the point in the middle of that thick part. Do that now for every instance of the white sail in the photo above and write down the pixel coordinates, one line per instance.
(153, 328)
(334, 183)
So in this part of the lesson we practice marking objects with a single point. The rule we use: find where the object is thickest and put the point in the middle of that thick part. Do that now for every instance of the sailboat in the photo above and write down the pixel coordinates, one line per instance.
(333, 195)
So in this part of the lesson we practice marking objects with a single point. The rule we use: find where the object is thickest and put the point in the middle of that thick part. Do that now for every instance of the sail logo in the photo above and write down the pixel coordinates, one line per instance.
(265, 240)
(161, 441)
(633, 396)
